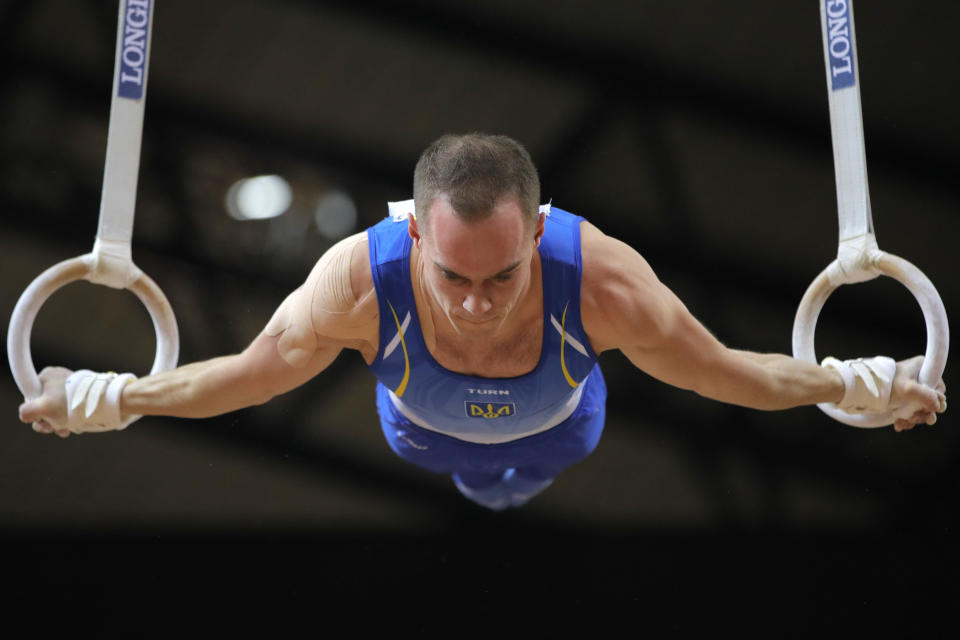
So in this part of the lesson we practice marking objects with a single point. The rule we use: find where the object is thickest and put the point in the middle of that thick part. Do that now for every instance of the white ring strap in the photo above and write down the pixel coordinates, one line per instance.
(122, 165)
(110, 263)
(858, 257)
(846, 119)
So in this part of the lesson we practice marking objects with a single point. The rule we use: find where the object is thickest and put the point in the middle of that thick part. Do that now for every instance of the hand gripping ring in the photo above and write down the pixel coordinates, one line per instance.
(934, 314)
(80, 268)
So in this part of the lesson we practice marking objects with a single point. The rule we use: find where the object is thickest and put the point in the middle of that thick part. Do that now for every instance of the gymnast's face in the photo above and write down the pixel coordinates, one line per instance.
(476, 272)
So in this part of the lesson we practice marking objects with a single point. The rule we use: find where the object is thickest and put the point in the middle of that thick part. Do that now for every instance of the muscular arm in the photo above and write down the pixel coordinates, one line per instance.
(334, 309)
(626, 307)
(331, 311)
(224, 384)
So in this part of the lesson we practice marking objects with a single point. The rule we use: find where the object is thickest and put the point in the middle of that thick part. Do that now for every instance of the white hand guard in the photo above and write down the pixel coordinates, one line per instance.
(93, 401)
(867, 383)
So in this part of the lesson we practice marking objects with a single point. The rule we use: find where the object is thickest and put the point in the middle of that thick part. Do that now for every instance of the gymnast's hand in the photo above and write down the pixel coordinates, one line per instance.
(77, 402)
(48, 411)
(909, 392)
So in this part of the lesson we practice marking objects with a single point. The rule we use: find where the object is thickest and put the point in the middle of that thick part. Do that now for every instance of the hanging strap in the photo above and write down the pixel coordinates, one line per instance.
(846, 120)
(857, 240)
(111, 262)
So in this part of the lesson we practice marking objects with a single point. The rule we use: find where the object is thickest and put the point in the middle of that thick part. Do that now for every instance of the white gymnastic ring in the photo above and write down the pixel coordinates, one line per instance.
(35, 295)
(934, 315)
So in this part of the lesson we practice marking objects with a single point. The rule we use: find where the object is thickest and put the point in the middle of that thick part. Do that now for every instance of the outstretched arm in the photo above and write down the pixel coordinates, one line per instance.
(225, 384)
(197, 390)
(334, 309)
(626, 307)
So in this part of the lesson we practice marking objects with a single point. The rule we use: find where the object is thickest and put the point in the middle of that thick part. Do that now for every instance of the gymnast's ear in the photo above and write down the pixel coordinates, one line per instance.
(541, 227)
(413, 230)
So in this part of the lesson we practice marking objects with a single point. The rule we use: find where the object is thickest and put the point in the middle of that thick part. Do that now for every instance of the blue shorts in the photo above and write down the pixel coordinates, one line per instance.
(540, 456)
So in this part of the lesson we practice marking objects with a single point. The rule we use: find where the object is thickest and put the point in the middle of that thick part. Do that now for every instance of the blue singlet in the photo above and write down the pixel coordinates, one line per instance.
(514, 433)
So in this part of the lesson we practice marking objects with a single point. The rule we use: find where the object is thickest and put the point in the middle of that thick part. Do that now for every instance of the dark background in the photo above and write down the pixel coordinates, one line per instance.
(697, 131)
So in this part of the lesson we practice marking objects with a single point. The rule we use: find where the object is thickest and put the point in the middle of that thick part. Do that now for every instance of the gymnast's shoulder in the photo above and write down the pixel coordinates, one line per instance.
(622, 302)
(336, 301)
(343, 299)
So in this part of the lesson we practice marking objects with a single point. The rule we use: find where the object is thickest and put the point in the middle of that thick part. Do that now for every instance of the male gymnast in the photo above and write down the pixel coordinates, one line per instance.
(481, 314)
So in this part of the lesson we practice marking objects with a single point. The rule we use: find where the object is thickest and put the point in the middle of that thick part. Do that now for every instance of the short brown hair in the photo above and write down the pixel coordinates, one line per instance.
(475, 171)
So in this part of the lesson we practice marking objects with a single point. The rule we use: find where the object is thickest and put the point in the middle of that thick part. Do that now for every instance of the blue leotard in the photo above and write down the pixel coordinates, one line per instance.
(482, 430)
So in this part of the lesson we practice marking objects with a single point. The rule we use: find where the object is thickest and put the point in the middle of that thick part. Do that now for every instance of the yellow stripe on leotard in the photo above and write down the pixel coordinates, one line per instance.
(406, 359)
(563, 339)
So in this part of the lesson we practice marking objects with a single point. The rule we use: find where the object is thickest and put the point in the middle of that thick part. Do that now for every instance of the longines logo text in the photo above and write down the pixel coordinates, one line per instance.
(840, 43)
(133, 56)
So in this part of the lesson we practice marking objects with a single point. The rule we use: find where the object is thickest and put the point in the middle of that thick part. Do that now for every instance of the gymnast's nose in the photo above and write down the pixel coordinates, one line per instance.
(477, 305)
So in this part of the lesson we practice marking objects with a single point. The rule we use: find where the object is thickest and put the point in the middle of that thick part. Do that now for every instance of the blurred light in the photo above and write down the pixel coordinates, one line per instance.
(335, 215)
(258, 198)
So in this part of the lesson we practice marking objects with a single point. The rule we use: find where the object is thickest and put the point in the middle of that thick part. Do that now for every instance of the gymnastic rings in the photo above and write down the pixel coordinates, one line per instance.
(110, 263)
(858, 257)
(934, 314)
(83, 268)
